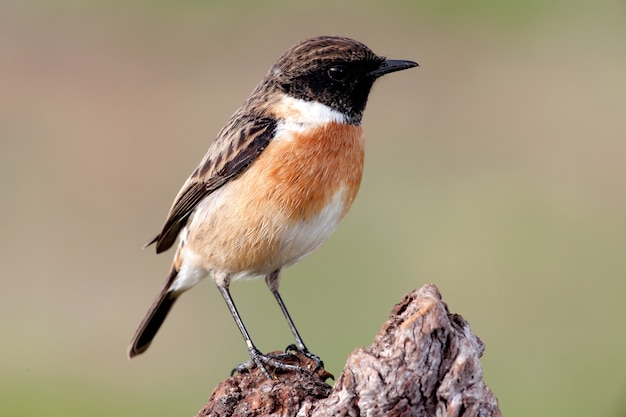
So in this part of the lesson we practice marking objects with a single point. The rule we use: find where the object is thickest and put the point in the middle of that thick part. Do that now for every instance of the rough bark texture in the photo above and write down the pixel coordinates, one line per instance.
(423, 362)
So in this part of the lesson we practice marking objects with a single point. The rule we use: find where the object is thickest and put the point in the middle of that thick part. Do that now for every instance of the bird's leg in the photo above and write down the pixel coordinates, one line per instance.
(272, 280)
(256, 357)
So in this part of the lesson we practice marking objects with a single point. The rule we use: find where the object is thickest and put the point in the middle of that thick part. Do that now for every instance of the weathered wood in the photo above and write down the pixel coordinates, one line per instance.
(423, 362)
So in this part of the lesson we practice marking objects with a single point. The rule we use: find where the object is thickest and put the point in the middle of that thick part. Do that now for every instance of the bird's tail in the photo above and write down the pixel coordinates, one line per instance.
(154, 318)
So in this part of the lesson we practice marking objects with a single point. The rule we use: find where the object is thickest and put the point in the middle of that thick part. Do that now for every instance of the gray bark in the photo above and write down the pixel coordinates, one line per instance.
(423, 362)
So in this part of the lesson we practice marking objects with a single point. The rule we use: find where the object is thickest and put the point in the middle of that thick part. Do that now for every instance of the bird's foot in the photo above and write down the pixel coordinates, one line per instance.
(319, 364)
(285, 362)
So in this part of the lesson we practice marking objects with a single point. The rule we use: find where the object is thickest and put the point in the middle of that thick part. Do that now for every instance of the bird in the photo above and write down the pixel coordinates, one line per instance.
(274, 184)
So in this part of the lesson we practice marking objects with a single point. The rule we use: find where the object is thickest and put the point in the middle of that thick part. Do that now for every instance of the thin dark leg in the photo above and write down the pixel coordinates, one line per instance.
(299, 342)
(255, 355)
(272, 282)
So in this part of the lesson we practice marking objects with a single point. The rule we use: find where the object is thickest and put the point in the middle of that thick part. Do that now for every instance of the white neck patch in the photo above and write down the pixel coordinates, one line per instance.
(298, 115)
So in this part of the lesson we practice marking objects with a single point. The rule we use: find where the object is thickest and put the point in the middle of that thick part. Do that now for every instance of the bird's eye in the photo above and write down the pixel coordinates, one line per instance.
(339, 73)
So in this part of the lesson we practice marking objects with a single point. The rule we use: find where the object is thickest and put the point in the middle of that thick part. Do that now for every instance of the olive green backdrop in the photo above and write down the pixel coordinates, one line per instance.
(496, 170)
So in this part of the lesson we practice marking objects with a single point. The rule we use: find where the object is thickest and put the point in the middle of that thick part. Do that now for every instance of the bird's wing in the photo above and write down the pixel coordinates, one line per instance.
(236, 147)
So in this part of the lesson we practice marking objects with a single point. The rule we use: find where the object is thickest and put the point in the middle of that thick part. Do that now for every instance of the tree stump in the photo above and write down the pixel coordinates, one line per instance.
(423, 362)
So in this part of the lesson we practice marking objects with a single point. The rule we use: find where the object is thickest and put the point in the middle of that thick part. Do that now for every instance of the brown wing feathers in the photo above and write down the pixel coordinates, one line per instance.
(222, 163)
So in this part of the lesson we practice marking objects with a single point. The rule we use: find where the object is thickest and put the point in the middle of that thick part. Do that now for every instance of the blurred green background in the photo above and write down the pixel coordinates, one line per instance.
(496, 170)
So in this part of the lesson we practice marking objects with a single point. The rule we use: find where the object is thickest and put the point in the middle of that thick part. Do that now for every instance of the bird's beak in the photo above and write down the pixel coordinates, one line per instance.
(391, 65)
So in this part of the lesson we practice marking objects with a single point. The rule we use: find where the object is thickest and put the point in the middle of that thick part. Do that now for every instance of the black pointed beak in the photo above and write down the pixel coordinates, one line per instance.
(392, 65)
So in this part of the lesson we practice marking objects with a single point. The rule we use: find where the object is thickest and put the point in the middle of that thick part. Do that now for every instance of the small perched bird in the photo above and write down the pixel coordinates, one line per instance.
(275, 183)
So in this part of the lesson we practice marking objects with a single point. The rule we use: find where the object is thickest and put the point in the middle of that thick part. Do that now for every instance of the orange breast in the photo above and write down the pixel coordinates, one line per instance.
(302, 173)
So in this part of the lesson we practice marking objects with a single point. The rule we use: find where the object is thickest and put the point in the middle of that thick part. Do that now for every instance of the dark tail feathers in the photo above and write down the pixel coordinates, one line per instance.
(154, 319)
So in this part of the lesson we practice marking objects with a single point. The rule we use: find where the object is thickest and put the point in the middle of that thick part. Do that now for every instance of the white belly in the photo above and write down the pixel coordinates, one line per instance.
(301, 239)
(283, 242)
